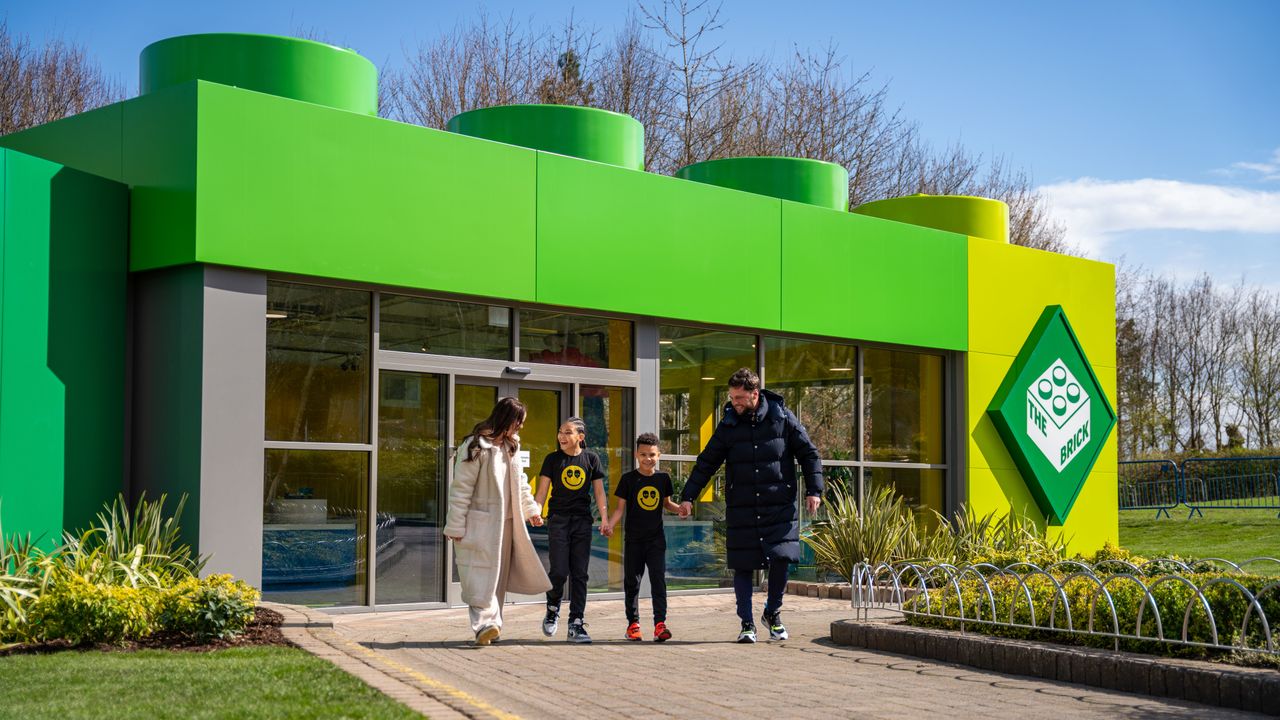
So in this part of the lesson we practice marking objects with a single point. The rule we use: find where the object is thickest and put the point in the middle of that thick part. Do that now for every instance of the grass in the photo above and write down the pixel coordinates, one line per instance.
(1235, 535)
(260, 682)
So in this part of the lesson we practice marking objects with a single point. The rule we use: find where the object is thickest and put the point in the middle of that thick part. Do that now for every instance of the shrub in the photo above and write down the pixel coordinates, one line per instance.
(1172, 599)
(142, 548)
(847, 536)
(78, 611)
(218, 606)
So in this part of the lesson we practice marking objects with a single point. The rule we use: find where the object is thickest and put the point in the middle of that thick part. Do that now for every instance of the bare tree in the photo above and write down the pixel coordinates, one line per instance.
(1222, 351)
(1258, 367)
(40, 84)
(630, 78)
(701, 76)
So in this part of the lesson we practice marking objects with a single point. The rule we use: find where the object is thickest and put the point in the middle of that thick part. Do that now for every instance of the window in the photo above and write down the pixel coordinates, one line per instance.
(560, 338)
(444, 327)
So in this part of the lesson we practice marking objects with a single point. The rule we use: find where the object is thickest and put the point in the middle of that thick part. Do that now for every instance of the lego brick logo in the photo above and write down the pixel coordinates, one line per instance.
(1052, 414)
(1058, 415)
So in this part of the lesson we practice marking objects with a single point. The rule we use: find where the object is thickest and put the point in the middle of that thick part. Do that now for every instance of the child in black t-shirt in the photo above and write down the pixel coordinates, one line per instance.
(572, 474)
(642, 494)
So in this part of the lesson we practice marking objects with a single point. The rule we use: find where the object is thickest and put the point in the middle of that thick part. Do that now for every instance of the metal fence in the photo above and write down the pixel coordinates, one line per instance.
(1249, 483)
(1161, 601)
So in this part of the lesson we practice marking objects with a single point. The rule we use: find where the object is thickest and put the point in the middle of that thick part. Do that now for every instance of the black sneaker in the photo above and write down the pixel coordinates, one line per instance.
(748, 633)
(551, 622)
(777, 631)
(578, 632)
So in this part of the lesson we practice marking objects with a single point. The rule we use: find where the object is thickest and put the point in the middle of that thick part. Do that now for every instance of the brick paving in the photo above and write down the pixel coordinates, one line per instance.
(425, 659)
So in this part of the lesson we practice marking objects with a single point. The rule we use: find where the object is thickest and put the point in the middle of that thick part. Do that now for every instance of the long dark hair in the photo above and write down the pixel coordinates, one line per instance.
(503, 419)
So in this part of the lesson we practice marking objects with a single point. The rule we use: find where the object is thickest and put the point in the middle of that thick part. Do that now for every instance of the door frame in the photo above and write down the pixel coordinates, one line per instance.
(508, 377)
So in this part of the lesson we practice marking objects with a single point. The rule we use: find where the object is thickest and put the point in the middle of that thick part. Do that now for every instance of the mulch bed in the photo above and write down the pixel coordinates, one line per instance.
(263, 630)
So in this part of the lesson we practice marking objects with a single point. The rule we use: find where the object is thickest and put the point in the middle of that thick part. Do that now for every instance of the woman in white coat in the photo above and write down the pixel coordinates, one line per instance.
(489, 502)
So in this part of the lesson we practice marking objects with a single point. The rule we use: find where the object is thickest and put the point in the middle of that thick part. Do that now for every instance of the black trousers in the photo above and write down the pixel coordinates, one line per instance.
(569, 544)
(779, 570)
(636, 556)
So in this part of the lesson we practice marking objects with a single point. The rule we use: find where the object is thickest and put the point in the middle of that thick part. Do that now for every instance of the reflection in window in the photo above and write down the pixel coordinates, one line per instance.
(903, 412)
(610, 417)
(696, 547)
(315, 527)
(695, 369)
(817, 382)
(412, 455)
(560, 338)
(444, 327)
(921, 490)
(317, 363)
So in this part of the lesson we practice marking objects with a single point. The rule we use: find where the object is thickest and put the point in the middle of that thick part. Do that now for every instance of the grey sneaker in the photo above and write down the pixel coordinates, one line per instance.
(748, 633)
(486, 635)
(578, 632)
(777, 631)
(551, 622)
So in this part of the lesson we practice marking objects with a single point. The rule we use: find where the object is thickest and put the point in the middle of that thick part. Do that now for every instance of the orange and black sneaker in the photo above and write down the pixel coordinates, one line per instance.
(633, 631)
(660, 632)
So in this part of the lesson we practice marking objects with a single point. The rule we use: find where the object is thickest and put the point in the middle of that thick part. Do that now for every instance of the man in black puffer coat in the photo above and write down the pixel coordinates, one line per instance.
(760, 441)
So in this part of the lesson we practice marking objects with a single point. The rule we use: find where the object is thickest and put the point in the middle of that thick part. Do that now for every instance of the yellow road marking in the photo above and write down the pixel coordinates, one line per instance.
(445, 688)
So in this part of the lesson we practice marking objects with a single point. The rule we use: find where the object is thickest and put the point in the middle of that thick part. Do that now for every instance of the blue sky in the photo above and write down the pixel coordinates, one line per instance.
(1153, 127)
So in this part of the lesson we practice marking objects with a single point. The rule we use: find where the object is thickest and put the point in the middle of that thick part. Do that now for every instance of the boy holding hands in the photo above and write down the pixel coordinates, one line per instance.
(642, 495)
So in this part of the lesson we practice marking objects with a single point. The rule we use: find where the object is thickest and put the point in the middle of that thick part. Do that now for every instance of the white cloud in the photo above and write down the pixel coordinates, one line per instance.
(1094, 211)
(1267, 170)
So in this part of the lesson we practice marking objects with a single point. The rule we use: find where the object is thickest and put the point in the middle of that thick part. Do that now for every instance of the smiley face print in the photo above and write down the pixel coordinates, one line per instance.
(573, 477)
(647, 498)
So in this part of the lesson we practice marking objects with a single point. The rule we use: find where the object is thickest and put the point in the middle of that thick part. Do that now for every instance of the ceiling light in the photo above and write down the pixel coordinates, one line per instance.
(840, 369)
(276, 315)
(708, 378)
(665, 342)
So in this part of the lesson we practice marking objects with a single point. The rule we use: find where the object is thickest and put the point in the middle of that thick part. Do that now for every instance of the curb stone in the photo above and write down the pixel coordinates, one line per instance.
(312, 631)
(1228, 686)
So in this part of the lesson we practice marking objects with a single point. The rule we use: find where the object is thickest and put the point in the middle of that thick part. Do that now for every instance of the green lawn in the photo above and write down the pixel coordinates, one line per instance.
(262, 682)
(1231, 534)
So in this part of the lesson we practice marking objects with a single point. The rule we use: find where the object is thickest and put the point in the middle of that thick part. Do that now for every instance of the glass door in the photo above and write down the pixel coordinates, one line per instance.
(546, 403)
(411, 464)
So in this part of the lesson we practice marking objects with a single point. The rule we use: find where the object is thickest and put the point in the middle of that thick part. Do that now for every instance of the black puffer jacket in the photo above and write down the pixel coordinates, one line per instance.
(760, 452)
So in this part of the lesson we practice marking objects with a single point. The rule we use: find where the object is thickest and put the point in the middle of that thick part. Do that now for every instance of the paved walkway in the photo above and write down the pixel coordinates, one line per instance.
(425, 659)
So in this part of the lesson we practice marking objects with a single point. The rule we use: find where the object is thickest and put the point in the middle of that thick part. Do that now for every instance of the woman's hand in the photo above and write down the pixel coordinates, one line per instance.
(455, 539)
(535, 520)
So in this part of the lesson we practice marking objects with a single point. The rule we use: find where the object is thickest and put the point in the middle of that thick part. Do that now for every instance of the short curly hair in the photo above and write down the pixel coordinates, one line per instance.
(744, 379)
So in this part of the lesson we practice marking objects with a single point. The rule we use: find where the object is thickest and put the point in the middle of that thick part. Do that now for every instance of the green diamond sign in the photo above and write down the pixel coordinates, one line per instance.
(1052, 414)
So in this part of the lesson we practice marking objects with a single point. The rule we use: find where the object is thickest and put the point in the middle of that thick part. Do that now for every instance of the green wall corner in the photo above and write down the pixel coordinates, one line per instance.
(62, 345)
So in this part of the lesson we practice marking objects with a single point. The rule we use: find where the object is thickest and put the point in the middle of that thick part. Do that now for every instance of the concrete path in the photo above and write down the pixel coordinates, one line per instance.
(425, 659)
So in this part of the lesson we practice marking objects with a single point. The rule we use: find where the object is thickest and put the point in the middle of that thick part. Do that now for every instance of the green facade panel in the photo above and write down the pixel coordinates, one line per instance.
(62, 345)
(89, 141)
(311, 190)
(628, 241)
(858, 277)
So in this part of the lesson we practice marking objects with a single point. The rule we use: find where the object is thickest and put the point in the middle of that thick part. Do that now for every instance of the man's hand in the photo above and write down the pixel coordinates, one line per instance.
(535, 520)
(686, 509)
(606, 529)
(812, 503)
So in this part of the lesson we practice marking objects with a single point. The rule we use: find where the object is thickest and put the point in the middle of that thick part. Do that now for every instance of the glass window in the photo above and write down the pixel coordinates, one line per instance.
(610, 417)
(696, 547)
(412, 460)
(560, 338)
(817, 382)
(444, 327)
(903, 412)
(317, 363)
(695, 367)
(315, 527)
(922, 490)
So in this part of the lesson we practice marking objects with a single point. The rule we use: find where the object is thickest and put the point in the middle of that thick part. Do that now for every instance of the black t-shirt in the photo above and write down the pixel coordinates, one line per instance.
(571, 479)
(644, 495)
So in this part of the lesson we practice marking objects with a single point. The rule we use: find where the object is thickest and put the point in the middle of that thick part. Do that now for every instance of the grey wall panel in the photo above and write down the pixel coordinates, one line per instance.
(232, 420)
